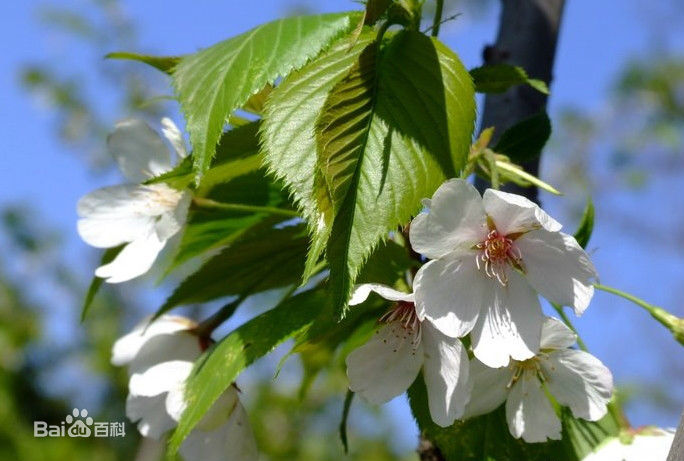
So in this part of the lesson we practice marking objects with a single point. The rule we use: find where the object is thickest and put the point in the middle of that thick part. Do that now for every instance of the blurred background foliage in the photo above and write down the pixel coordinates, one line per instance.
(614, 151)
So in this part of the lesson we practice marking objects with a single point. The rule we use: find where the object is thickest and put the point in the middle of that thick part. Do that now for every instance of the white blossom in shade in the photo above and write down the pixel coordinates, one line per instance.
(575, 379)
(386, 365)
(143, 217)
(646, 444)
(160, 356)
(490, 256)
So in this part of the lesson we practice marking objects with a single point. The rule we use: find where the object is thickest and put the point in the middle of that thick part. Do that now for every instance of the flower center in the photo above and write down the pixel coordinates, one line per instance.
(403, 320)
(164, 195)
(496, 253)
(532, 366)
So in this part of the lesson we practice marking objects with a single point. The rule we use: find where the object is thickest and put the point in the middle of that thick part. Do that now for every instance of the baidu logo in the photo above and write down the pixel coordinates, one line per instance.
(79, 424)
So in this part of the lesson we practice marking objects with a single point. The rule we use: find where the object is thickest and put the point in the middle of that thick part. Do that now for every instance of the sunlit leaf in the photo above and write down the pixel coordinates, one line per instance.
(214, 82)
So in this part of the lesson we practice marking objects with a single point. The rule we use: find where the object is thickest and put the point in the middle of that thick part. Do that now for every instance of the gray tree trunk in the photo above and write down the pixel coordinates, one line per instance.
(527, 37)
(677, 449)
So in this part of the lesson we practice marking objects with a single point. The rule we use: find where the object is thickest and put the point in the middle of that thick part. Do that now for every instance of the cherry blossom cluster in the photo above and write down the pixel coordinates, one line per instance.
(486, 261)
(490, 257)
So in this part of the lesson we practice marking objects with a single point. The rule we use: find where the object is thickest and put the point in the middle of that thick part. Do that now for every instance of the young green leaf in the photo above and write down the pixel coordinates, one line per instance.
(497, 78)
(165, 64)
(221, 364)
(288, 131)
(525, 140)
(586, 227)
(264, 258)
(214, 82)
(390, 132)
(107, 257)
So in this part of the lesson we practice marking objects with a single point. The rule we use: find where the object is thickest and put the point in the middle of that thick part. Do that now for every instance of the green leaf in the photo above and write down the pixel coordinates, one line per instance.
(213, 228)
(584, 436)
(107, 257)
(586, 227)
(165, 64)
(264, 258)
(390, 132)
(498, 78)
(525, 140)
(221, 364)
(214, 82)
(287, 131)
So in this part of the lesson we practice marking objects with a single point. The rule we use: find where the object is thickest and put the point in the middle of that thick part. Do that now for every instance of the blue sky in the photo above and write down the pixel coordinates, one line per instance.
(597, 38)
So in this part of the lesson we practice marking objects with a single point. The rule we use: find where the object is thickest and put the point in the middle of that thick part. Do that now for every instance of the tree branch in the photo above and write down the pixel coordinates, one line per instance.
(527, 37)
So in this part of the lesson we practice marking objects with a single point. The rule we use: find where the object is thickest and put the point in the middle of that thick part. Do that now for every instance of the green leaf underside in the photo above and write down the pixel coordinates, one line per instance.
(263, 258)
(390, 132)
(107, 257)
(584, 436)
(525, 140)
(165, 64)
(221, 364)
(586, 227)
(498, 78)
(214, 82)
(209, 229)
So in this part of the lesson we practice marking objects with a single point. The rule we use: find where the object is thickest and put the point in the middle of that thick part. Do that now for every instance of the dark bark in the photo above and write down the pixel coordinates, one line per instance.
(677, 449)
(527, 37)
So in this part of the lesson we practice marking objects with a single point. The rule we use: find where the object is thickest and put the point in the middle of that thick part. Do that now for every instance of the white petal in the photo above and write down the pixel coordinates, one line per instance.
(108, 233)
(138, 150)
(151, 414)
(456, 220)
(580, 381)
(175, 137)
(160, 378)
(115, 215)
(529, 412)
(127, 347)
(514, 213)
(361, 293)
(652, 446)
(556, 335)
(451, 293)
(233, 440)
(490, 388)
(173, 221)
(134, 260)
(386, 365)
(445, 371)
(511, 326)
(558, 268)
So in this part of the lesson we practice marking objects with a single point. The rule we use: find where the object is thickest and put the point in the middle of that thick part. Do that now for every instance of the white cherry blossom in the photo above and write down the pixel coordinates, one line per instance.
(575, 379)
(490, 256)
(143, 217)
(160, 357)
(648, 443)
(386, 365)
